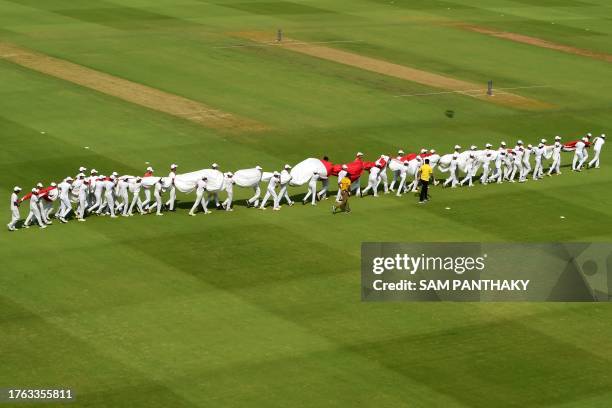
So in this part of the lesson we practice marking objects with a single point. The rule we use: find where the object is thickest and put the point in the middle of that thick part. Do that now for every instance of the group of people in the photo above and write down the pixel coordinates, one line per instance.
(97, 194)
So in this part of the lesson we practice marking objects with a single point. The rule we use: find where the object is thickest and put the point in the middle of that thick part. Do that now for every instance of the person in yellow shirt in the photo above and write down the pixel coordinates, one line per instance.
(345, 185)
(425, 173)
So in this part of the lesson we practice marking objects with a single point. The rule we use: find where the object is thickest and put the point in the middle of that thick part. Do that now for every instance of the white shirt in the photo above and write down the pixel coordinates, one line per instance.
(201, 186)
(63, 188)
(109, 185)
(580, 147)
(285, 175)
(557, 150)
(53, 194)
(538, 152)
(341, 174)
(598, 142)
(314, 178)
(34, 201)
(229, 184)
(374, 171)
(99, 185)
(14, 199)
(122, 186)
(273, 182)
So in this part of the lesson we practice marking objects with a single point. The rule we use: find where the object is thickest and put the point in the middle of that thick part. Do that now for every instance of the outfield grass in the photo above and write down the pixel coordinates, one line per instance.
(263, 309)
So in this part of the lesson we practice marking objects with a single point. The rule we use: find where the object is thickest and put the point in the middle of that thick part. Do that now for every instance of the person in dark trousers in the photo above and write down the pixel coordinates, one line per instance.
(425, 173)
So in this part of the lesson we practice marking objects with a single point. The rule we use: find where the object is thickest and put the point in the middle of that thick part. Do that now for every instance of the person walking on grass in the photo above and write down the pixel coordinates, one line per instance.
(425, 173)
(343, 206)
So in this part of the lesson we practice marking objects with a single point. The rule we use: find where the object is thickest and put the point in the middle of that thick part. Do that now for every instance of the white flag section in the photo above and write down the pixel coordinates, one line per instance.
(303, 171)
(187, 182)
(247, 177)
(395, 165)
(266, 176)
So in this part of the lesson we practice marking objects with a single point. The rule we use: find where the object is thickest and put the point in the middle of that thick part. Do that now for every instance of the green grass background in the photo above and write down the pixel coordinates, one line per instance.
(263, 308)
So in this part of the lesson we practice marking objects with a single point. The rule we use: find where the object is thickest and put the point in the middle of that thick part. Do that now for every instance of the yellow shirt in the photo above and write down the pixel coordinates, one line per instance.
(426, 171)
(345, 183)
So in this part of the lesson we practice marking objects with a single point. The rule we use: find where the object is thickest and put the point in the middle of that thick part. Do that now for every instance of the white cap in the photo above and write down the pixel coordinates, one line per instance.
(16, 189)
(473, 147)
(53, 184)
(81, 175)
(400, 151)
(541, 145)
(585, 139)
(114, 174)
(543, 141)
(93, 171)
(557, 137)
(287, 167)
(229, 174)
(359, 154)
(82, 169)
(432, 151)
(39, 185)
(423, 150)
(35, 190)
(173, 166)
(276, 174)
(150, 168)
(488, 145)
(258, 167)
(529, 146)
(215, 165)
(503, 143)
(457, 147)
(519, 142)
(603, 135)
(68, 178)
(344, 167)
(589, 135)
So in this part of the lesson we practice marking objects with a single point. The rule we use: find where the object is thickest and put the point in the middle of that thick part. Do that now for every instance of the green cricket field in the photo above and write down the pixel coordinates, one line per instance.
(263, 308)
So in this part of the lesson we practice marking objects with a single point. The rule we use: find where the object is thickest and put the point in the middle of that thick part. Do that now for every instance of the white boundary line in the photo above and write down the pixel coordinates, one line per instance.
(278, 43)
(469, 91)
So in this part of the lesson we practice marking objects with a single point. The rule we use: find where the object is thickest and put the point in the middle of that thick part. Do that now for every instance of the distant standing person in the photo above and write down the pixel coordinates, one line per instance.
(345, 185)
(425, 173)
(14, 209)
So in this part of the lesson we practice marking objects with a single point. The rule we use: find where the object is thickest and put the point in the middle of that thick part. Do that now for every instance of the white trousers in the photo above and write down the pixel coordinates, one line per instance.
(595, 160)
(269, 193)
(199, 200)
(14, 217)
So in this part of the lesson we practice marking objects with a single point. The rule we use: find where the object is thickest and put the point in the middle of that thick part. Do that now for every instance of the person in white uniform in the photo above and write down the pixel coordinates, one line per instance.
(527, 161)
(65, 206)
(109, 196)
(578, 154)
(556, 158)
(469, 165)
(147, 189)
(229, 189)
(402, 178)
(538, 153)
(312, 188)
(271, 192)
(14, 209)
(136, 186)
(172, 199)
(597, 145)
(486, 164)
(81, 188)
(214, 195)
(200, 198)
(254, 201)
(34, 211)
(285, 178)
(91, 185)
(396, 173)
(373, 180)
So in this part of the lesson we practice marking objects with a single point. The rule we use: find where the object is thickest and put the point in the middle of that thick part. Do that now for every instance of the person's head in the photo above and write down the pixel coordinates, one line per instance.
(455, 157)
(68, 179)
(258, 168)
(541, 145)
(400, 152)
(138, 180)
(557, 138)
(229, 174)
(276, 174)
(588, 135)
(204, 178)
(585, 139)
(16, 189)
(325, 158)
(359, 154)
(432, 151)
(173, 167)
(543, 141)
(82, 169)
(503, 144)
(473, 147)
(423, 151)
(215, 166)
(35, 190)
(287, 167)
(488, 145)
(457, 147)
(344, 167)
(519, 142)
(603, 136)
(150, 169)
(39, 185)
(81, 176)
(426, 161)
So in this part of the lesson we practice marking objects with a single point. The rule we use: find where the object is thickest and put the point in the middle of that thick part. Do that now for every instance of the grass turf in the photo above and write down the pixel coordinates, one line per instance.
(263, 308)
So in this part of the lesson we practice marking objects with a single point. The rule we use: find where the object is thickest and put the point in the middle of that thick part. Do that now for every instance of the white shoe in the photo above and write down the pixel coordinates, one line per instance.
(26, 226)
(63, 220)
(114, 216)
(192, 214)
(291, 203)
(43, 226)
(230, 209)
(159, 214)
(81, 220)
(275, 209)
(262, 208)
